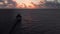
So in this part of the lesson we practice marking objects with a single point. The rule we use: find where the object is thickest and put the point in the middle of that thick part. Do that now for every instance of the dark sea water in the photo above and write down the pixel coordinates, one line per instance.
(34, 21)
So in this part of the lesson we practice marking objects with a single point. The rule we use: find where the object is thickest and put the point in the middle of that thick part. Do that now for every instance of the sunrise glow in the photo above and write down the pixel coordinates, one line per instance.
(28, 3)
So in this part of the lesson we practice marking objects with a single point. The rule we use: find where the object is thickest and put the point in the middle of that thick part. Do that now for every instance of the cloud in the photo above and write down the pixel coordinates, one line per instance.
(1, 0)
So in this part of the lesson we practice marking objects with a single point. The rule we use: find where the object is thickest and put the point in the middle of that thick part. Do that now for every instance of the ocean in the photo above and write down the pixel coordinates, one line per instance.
(34, 21)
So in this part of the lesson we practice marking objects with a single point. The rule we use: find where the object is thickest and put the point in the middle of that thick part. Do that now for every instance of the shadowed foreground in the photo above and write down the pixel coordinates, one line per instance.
(43, 21)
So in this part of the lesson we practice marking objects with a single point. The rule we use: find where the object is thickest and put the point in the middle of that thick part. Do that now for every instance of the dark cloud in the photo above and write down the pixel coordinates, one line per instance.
(1, 0)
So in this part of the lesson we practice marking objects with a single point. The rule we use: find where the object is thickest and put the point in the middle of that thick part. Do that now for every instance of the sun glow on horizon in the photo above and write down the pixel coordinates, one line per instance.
(28, 3)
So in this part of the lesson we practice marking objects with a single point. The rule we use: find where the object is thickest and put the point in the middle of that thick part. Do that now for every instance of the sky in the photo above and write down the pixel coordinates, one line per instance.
(59, 1)
(50, 0)
(47, 0)
(53, 0)
(14, 3)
